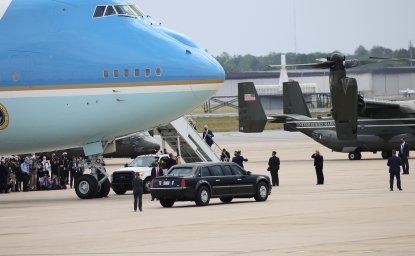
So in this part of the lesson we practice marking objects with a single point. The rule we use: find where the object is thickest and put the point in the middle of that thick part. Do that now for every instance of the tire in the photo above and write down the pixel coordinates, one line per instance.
(358, 156)
(226, 199)
(146, 185)
(104, 190)
(86, 186)
(167, 202)
(262, 192)
(352, 156)
(119, 191)
(202, 196)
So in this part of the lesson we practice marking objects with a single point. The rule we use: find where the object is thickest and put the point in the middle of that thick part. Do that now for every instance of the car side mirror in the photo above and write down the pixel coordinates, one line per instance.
(125, 165)
(248, 173)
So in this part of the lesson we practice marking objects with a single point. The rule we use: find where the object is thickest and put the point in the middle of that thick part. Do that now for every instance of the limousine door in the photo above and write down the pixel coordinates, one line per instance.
(243, 183)
(220, 184)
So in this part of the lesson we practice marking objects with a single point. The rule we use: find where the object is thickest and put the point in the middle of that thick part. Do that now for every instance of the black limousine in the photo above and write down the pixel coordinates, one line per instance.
(201, 181)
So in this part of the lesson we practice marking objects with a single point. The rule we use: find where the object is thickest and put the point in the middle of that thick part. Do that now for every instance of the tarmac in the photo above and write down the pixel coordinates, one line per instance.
(353, 213)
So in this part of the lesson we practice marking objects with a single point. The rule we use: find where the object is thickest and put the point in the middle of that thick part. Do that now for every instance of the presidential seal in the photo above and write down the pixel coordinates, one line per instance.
(4, 117)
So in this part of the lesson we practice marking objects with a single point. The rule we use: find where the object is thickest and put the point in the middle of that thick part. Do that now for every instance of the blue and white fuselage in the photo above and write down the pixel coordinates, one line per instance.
(78, 72)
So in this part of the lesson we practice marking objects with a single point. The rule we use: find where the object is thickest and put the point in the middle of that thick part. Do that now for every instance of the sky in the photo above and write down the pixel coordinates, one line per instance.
(259, 27)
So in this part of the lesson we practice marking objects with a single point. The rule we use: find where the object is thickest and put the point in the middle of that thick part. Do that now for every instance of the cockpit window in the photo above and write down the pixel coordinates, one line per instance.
(99, 11)
(110, 11)
(126, 10)
(121, 10)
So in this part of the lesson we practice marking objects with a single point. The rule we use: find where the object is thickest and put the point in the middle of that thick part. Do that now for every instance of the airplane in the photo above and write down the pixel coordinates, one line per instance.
(380, 126)
(84, 73)
(140, 143)
(343, 90)
(407, 92)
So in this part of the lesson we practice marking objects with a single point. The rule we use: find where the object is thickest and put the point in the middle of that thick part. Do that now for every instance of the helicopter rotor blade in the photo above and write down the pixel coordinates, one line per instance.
(326, 64)
(391, 59)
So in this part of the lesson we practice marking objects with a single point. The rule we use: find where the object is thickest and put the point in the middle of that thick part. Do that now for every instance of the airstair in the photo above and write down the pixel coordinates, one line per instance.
(182, 137)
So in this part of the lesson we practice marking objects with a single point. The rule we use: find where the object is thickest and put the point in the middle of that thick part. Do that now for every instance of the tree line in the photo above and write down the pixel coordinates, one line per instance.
(240, 63)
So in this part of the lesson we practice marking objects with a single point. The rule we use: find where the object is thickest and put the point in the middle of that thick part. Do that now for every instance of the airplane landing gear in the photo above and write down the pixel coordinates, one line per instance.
(95, 184)
(355, 155)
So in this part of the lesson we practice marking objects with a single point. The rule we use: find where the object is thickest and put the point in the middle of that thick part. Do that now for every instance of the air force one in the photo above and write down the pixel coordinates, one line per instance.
(380, 126)
(84, 73)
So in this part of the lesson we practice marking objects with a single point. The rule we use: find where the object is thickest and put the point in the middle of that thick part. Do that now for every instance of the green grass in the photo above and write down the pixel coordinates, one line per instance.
(226, 124)
(230, 123)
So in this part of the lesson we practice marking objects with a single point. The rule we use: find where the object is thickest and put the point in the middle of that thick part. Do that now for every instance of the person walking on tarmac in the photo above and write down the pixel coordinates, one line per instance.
(137, 185)
(273, 167)
(318, 164)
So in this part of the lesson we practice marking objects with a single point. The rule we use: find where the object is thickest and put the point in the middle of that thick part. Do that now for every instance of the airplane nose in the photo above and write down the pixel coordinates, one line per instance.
(207, 73)
(205, 65)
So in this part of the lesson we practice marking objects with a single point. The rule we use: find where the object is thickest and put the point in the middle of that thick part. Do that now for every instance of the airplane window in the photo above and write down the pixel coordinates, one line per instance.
(99, 11)
(110, 11)
(126, 72)
(105, 73)
(136, 72)
(15, 77)
(115, 73)
(158, 71)
(148, 72)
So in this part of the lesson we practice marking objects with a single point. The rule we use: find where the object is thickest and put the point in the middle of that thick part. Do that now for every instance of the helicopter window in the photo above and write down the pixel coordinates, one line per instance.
(110, 11)
(147, 72)
(136, 72)
(105, 73)
(99, 11)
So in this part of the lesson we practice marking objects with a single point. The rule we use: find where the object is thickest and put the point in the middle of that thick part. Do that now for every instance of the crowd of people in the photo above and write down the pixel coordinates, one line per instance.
(33, 173)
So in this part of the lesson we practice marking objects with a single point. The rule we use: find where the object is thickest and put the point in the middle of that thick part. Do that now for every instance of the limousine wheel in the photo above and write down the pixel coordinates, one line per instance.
(167, 202)
(261, 192)
(203, 196)
(226, 199)
(119, 191)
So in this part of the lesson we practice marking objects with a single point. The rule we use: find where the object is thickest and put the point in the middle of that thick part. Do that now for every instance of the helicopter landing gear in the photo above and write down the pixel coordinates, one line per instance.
(355, 155)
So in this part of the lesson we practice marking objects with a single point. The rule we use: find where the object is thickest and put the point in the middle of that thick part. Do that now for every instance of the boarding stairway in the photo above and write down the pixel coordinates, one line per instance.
(182, 137)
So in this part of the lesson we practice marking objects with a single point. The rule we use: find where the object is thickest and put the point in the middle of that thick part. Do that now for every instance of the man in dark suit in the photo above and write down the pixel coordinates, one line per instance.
(318, 164)
(273, 167)
(207, 136)
(137, 185)
(394, 164)
(155, 172)
(404, 154)
(239, 159)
